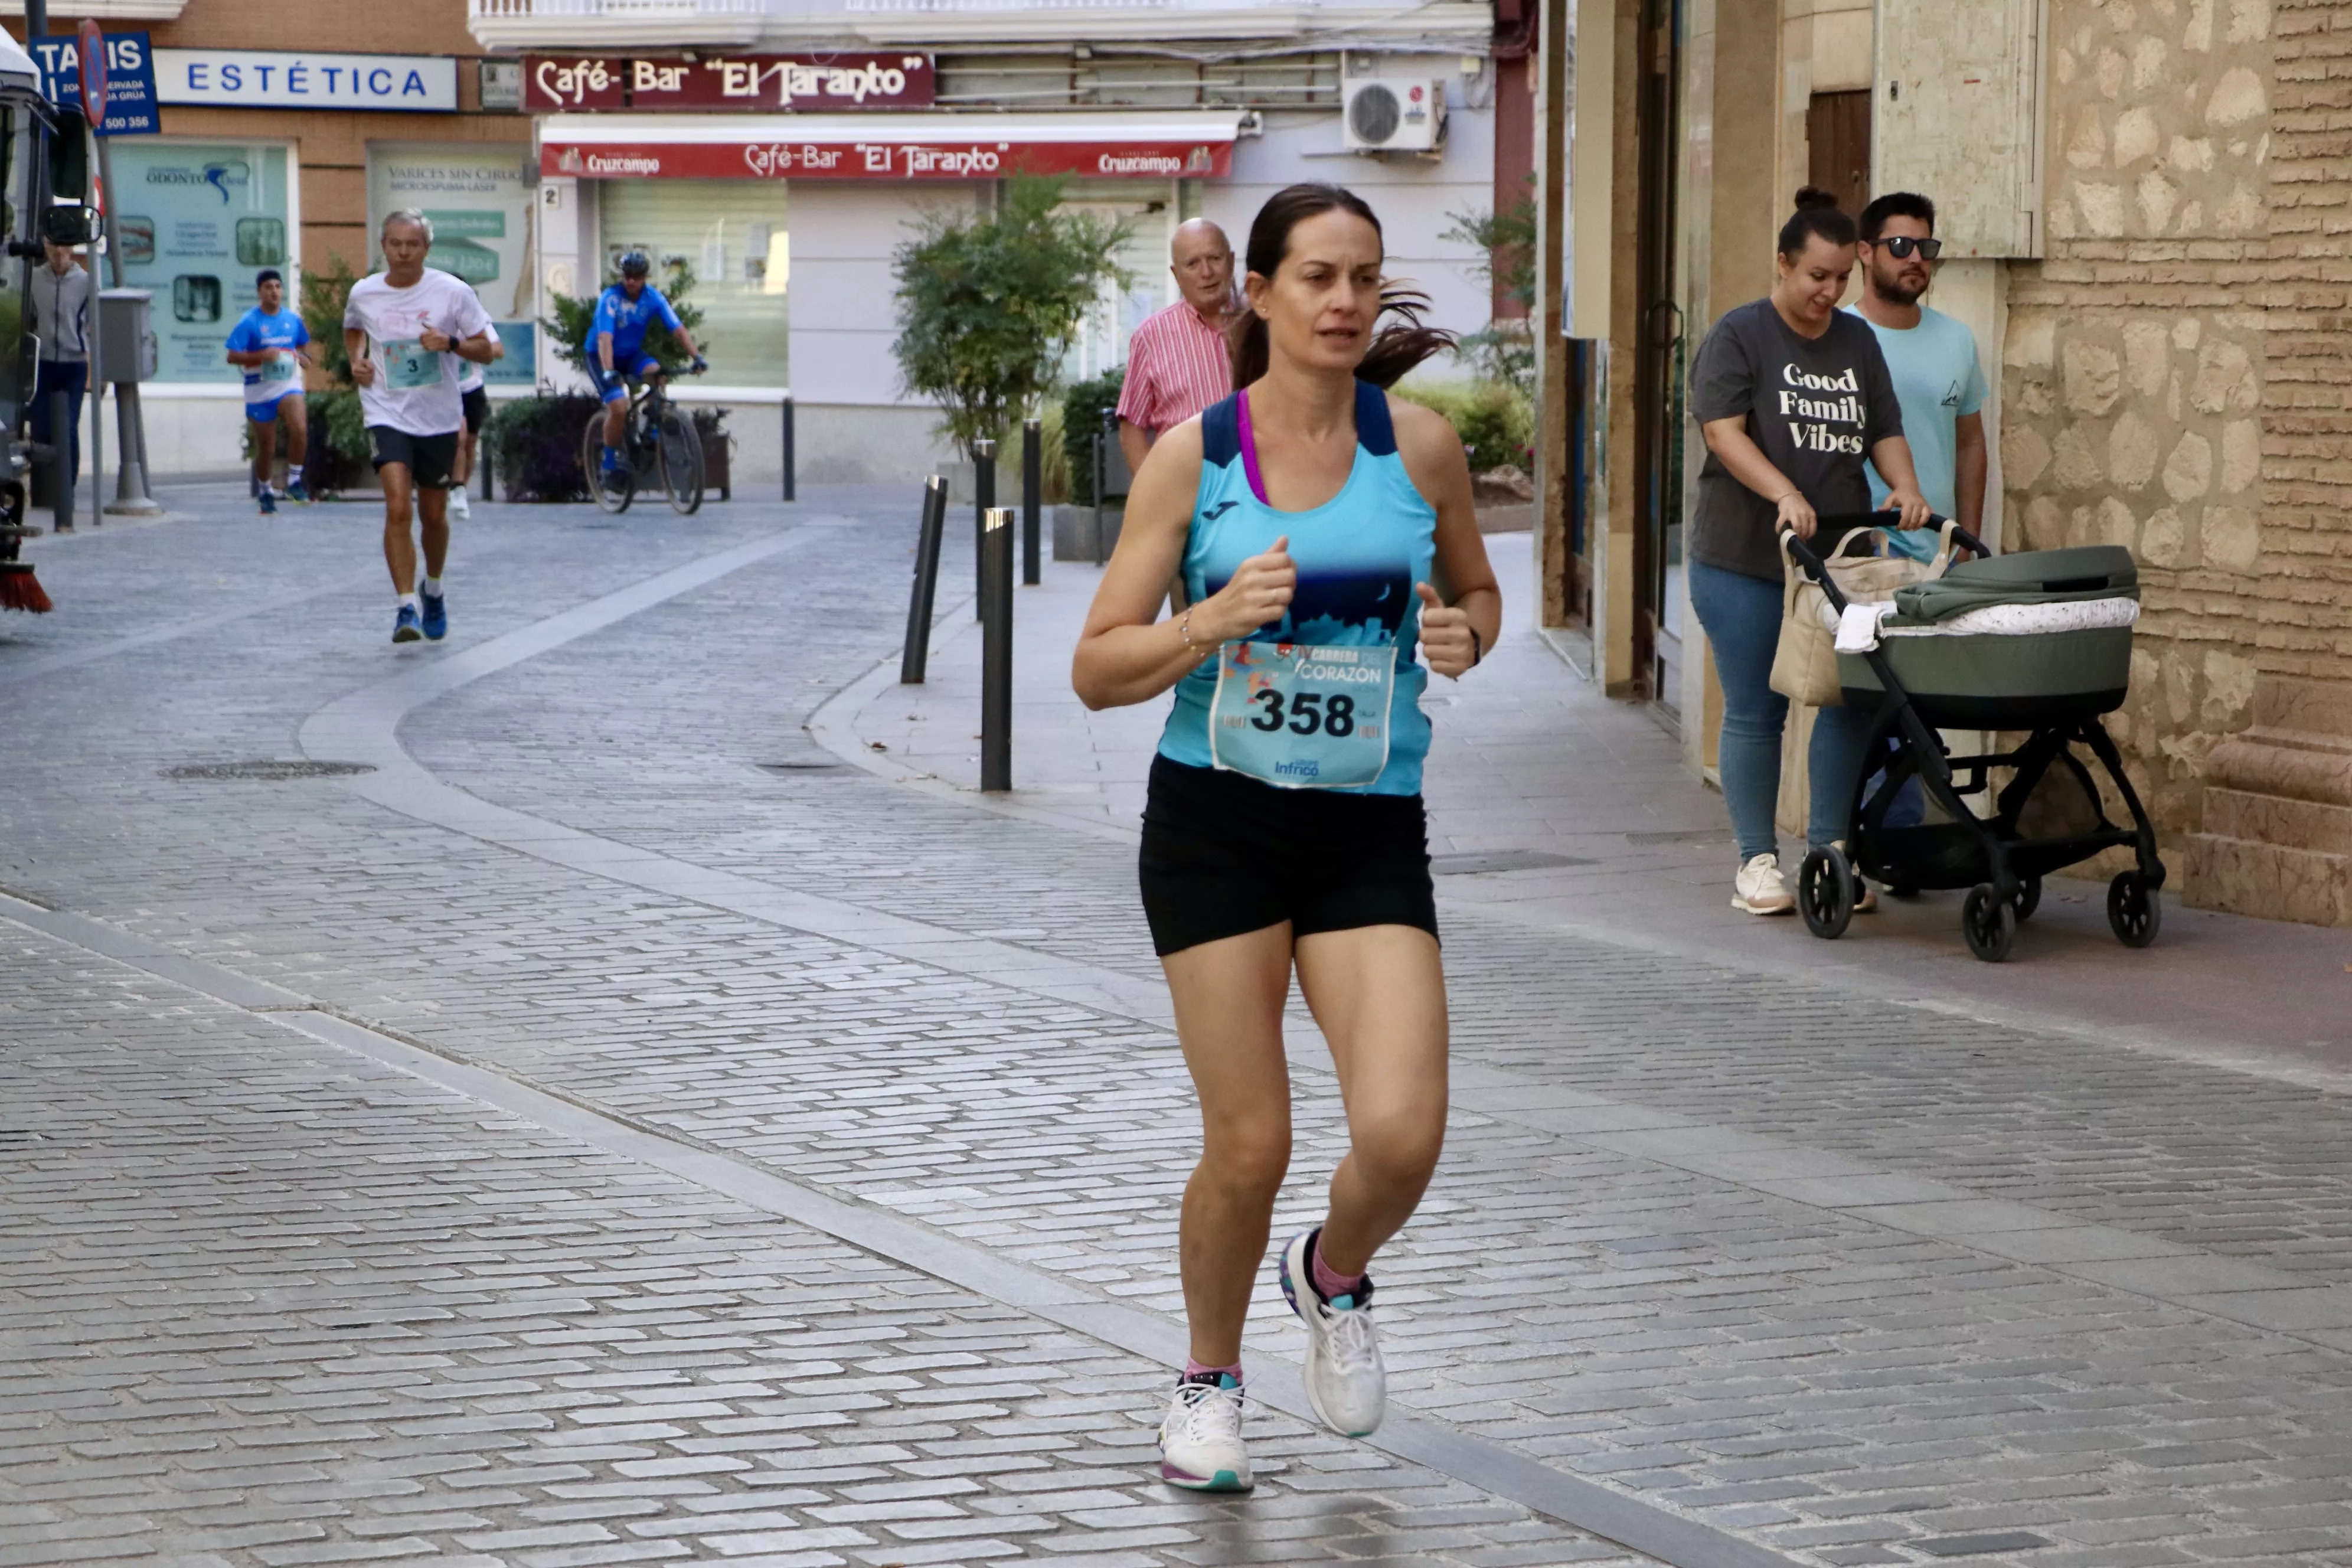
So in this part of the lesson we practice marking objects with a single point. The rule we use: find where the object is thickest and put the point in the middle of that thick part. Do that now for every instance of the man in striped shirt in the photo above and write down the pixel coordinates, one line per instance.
(1177, 363)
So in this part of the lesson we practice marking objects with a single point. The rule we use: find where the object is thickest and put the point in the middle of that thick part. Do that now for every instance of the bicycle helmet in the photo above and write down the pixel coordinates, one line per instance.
(635, 264)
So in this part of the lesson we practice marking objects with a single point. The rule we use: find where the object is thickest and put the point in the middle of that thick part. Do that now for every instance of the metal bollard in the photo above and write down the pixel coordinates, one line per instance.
(790, 480)
(996, 650)
(63, 469)
(914, 658)
(1106, 449)
(1033, 481)
(983, 498)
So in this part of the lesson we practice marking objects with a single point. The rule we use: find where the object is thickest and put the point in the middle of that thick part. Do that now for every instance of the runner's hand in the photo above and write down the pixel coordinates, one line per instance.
(363, 371)
(1797, 512)
(1259, 593)
(1447, 646)
(425, 340)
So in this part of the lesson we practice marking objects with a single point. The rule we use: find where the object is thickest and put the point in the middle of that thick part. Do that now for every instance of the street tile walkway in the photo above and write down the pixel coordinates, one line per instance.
(1851, 1252)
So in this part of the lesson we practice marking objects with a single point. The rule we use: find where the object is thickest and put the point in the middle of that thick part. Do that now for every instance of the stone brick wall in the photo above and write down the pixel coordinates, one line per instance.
(2153, 385)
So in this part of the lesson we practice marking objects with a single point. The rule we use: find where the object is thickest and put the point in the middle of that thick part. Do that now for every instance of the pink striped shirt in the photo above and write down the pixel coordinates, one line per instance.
(1176, 365)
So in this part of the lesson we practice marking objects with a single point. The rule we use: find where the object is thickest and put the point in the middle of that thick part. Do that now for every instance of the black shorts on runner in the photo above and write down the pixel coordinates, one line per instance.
(477, 408)
(1224, 854)
(429, 459)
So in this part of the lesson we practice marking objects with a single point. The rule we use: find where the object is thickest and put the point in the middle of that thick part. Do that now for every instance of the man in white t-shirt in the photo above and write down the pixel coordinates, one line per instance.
(474, 387)
(409, 329)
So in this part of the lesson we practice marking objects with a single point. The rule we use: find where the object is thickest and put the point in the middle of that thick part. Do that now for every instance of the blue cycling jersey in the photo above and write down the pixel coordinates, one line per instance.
(627, 320)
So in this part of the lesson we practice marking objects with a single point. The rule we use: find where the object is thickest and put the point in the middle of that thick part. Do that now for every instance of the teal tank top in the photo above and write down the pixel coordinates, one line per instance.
(1359, 555)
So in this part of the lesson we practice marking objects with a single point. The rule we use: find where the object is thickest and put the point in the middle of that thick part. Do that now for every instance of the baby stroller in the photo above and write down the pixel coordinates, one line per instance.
(2038, 642)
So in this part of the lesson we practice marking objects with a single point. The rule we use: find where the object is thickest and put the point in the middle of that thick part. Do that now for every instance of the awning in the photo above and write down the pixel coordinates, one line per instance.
(887, 146)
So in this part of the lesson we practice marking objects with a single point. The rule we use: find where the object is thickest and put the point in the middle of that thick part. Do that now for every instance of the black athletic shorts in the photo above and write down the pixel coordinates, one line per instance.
(429, 459)
(477, 408)
(1224, 854)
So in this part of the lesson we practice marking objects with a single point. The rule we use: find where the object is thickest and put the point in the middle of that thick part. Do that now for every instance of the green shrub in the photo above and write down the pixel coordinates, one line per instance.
(1083, 407)
(532, 444)
(990, 302)
(1494, 423)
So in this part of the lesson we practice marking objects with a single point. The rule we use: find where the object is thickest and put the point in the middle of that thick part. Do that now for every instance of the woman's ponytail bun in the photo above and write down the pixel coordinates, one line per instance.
(1817, 213)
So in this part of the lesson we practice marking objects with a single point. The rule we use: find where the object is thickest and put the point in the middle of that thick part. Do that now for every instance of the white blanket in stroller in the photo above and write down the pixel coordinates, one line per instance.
(1860, 628)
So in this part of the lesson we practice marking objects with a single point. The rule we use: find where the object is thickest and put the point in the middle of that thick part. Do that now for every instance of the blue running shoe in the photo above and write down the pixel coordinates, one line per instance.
(295, 492)
(437, 615)
(403, 626)
(269, 503)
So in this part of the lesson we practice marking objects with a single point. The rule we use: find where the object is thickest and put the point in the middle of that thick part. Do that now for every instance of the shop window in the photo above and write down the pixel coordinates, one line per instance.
(480, 199)
(731, 236)
(197, 220)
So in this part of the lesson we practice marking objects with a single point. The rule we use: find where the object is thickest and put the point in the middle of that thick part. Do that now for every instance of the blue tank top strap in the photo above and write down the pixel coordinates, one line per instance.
(1221, 432)
(1375, 432)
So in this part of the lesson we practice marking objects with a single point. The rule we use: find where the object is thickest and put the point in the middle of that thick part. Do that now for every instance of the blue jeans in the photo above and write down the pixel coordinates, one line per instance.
(1742, 617)
(72, 378)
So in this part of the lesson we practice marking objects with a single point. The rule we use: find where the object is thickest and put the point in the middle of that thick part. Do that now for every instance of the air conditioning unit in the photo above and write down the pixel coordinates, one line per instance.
(1393, 114)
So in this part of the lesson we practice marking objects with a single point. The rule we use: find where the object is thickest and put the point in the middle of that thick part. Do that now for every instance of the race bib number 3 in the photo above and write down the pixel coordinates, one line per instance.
(409, 365)
(1302, 716)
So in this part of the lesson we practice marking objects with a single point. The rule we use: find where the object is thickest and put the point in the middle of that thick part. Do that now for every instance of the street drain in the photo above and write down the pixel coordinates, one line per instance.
(801, 765)
(269, 770)
(17, 1138)
(1500, 860)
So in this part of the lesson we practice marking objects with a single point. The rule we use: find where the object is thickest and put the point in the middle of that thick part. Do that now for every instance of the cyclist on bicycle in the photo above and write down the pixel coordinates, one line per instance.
(623, 313)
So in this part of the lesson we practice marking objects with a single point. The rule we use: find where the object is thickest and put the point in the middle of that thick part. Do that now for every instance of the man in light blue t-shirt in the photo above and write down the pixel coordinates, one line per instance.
(269, 344)
(1933, 361)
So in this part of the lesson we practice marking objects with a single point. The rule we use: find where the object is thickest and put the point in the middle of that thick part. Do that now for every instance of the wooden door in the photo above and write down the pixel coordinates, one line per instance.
(1837, 127)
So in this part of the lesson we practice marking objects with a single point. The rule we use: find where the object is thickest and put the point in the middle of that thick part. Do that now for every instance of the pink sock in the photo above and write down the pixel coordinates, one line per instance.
(1193, 1369)
(1330, 1286)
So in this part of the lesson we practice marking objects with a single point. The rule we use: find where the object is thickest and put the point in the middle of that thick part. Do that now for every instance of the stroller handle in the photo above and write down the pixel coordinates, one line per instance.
(1843, 523)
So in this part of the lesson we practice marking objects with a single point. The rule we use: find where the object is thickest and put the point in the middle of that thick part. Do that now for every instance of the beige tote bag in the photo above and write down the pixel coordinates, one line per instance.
(1804, 666)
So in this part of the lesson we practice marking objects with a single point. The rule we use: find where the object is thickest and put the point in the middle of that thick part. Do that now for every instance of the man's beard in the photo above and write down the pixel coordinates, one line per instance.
(1891, 288)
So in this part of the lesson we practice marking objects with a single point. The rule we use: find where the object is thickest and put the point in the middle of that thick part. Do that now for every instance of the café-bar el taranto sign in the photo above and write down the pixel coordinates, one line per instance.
(1171, 145)
(560, 83)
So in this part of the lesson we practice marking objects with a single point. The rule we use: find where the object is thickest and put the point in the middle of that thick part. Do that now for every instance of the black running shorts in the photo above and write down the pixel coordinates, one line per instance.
(477, 408)
(429, 459)
(1224, 854)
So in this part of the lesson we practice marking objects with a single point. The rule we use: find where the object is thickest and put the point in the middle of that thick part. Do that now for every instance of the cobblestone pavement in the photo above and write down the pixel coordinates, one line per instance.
(1852, 1280)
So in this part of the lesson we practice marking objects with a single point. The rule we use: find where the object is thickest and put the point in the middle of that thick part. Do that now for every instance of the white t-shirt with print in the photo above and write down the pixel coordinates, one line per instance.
(415, 391)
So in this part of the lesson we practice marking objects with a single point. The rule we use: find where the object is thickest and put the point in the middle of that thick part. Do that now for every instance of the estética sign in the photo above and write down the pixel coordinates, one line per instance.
(769, 82)
(272, 79)
(939, 159)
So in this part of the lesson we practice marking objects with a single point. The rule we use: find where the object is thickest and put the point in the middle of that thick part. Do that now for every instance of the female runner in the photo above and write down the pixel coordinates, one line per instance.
(1324, 529)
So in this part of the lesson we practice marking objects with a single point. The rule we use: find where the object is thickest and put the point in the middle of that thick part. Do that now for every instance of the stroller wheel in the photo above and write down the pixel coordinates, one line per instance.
(1989, 923)
(2029, 897)
(1826, 891)
(2135, 909)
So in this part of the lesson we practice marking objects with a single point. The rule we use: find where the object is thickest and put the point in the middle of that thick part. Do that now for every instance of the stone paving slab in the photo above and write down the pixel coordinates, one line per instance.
(1656, 1316)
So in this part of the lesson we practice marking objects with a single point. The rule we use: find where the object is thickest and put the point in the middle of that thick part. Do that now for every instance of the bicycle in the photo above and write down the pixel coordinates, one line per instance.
(657, 438)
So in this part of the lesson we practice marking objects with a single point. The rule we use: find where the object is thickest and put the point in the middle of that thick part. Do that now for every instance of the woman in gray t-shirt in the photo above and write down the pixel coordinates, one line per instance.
(1792, 396)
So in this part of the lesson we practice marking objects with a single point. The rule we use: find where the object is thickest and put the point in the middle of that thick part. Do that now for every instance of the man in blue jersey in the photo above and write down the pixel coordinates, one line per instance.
(616, 346)
(270, 345)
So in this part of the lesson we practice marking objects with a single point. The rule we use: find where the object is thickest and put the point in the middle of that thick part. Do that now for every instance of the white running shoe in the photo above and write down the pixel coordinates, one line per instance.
(458, 505)
(1760, 890)
(1201, 1441)
(1345, 1381)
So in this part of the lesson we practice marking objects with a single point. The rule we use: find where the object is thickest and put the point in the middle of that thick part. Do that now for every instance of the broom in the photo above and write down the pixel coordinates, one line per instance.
(20, 590)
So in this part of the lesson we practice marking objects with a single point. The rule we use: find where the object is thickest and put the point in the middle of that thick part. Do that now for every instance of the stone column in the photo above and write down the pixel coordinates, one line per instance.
(2278, 810)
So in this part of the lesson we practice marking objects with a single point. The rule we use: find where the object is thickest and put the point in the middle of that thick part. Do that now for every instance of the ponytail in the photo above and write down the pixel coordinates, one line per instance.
(1817, 213)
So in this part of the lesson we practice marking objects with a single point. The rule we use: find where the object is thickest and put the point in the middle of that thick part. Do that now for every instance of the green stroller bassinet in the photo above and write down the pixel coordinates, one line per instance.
(2009, 642)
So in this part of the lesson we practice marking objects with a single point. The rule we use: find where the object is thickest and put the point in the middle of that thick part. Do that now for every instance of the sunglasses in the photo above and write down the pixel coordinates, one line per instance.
(1901, 246)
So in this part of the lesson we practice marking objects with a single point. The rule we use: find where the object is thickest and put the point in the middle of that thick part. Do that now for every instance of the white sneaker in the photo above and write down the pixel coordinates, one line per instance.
(1201, 1441)
(1760, 890)
(1345, 1381)
(458, 506)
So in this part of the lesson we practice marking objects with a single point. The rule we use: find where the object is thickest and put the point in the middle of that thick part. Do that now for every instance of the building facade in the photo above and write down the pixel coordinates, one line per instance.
(288, 128)
(2142, 211)
(785, 148)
